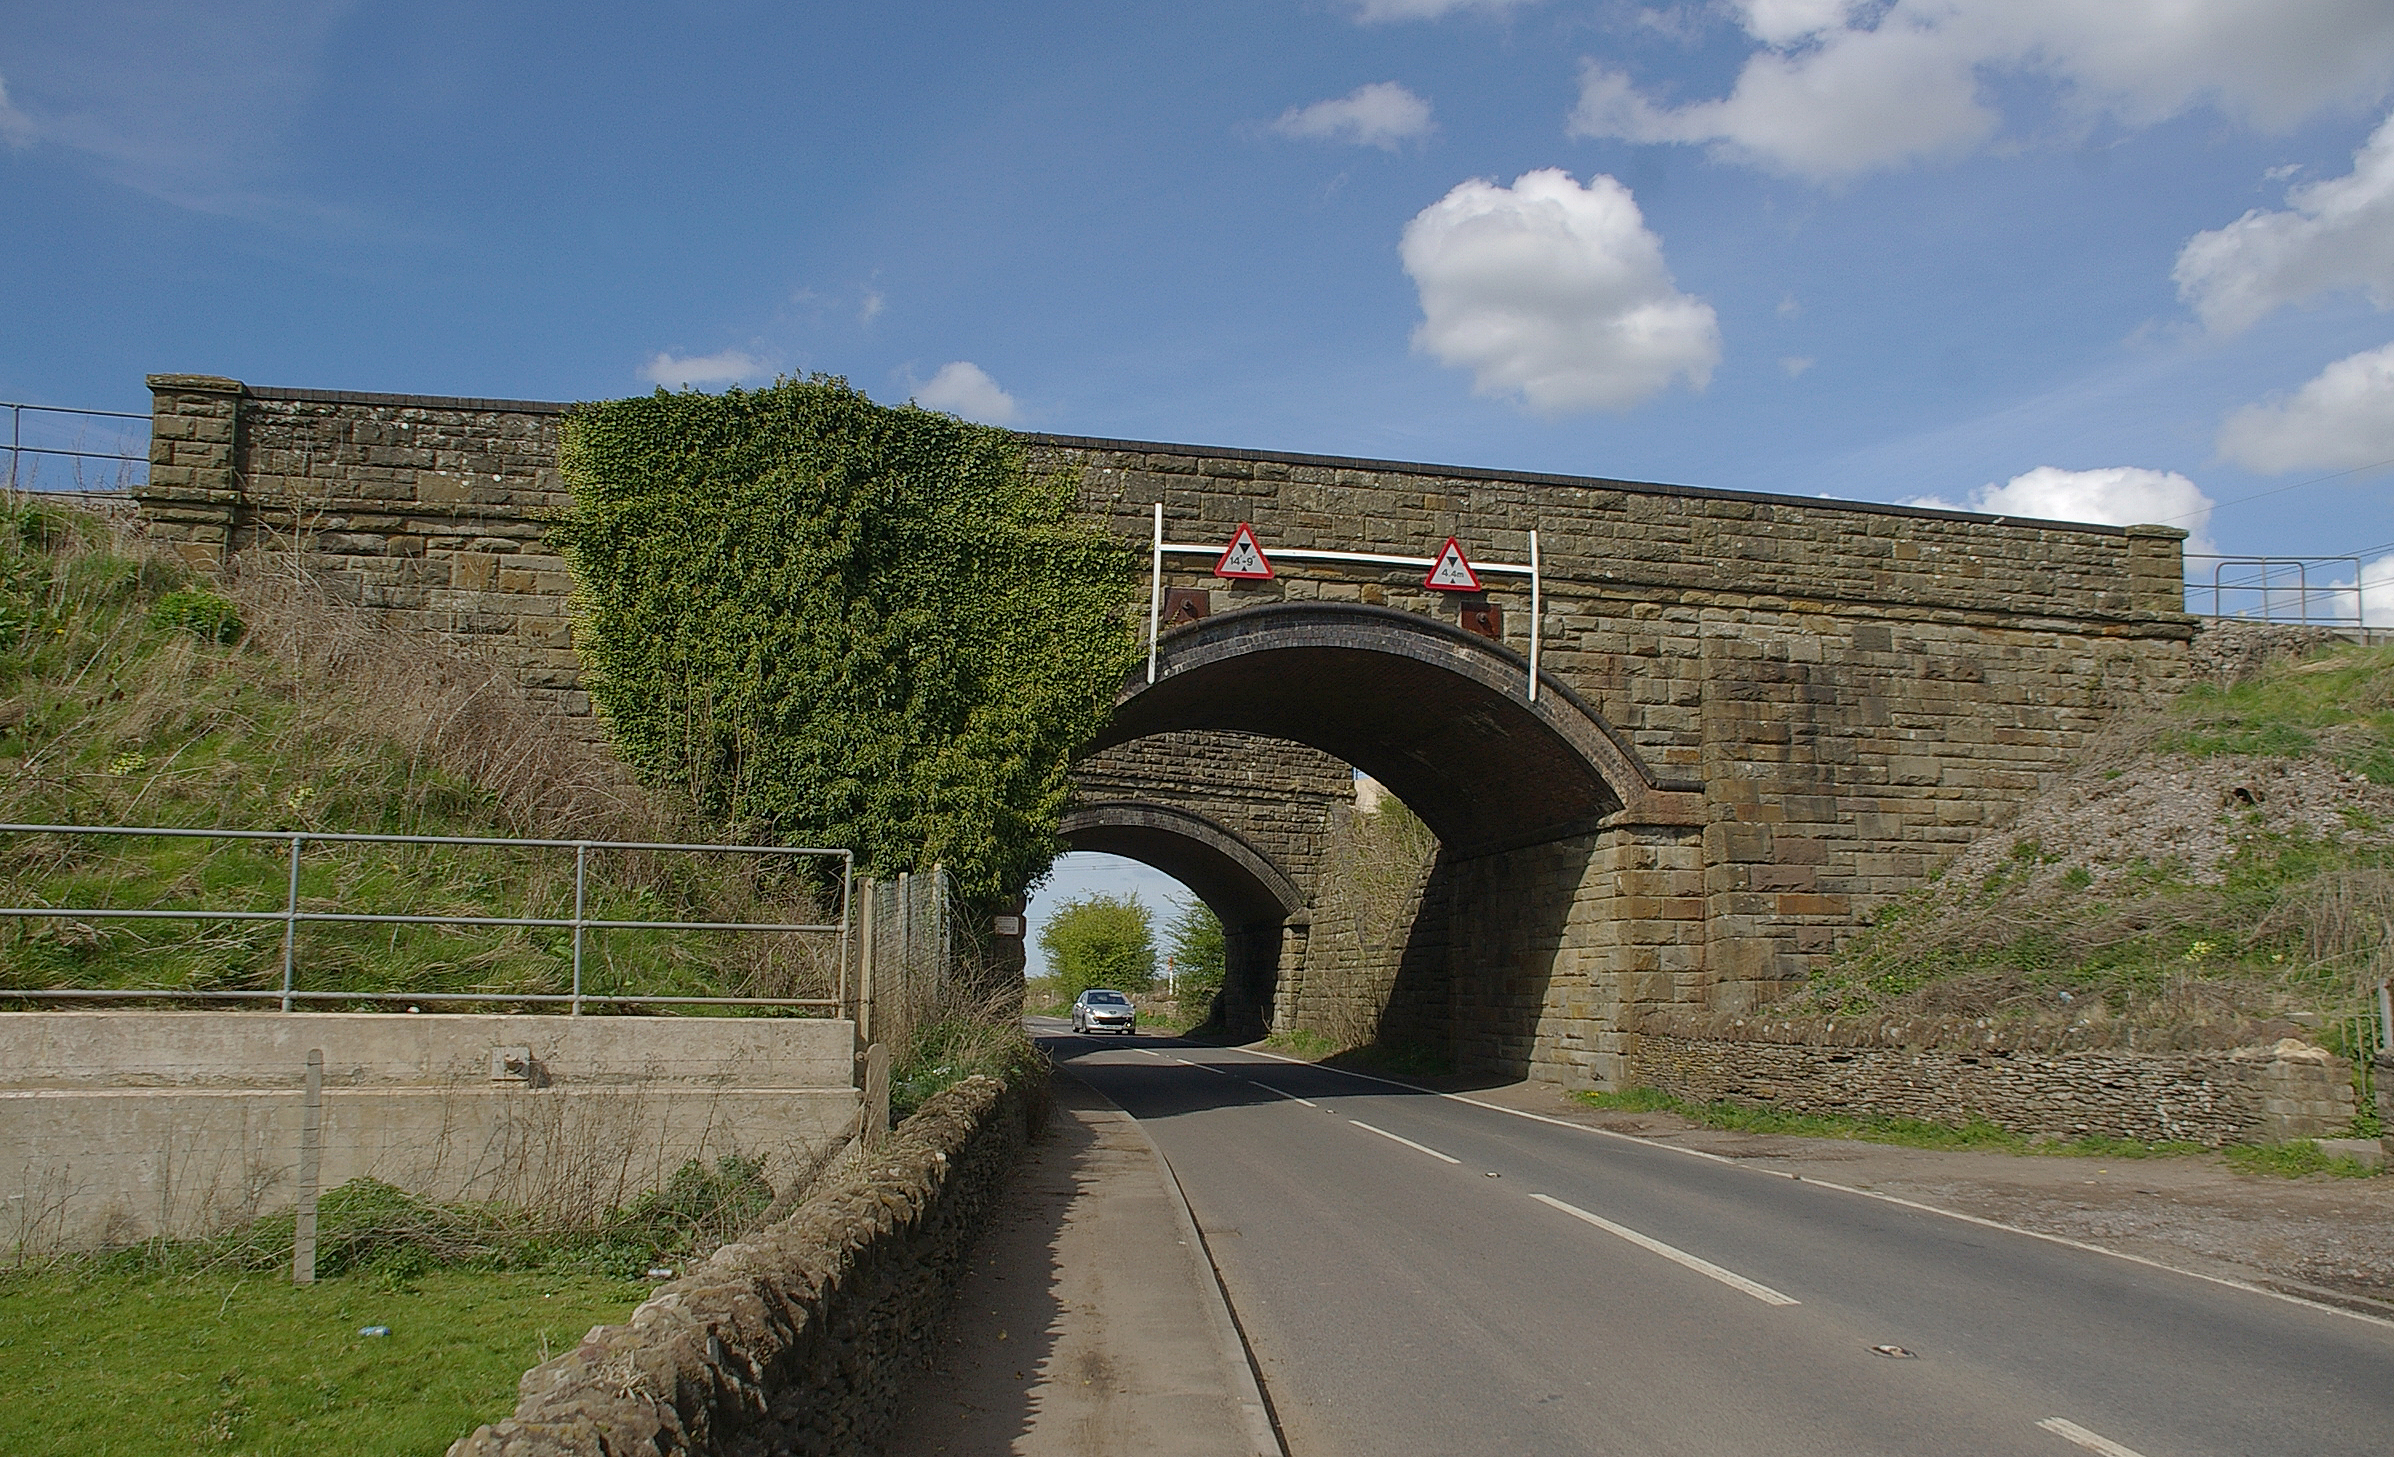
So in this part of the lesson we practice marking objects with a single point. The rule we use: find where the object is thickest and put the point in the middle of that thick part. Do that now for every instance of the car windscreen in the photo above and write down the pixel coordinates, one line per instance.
(1107, 999)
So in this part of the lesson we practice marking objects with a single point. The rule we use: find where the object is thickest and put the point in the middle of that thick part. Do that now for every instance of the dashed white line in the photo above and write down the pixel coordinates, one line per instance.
(1267, 1087)
(1407, 1142)
(1145, 1052)
(2084, 1438)
(1207, 1066)
(1734, 1281)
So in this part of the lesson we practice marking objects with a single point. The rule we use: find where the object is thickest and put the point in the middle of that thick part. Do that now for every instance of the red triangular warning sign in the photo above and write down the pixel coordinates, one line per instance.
(1243, 558)
(1451, 573)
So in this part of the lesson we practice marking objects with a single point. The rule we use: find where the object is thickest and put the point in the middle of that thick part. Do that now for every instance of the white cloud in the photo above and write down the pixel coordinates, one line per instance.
(1382, 114)
(870, 308)
(2341, 420)
(1796, 364)
(1556, 292)
(1372, 12)
(965, 389)
(2121, 495)
(2332, 235)
(16, 128)
(1834, 89)
(2377, 592)
(729, 367)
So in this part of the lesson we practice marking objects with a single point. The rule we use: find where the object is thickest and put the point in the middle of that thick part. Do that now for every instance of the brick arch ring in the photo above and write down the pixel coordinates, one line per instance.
(1243, 885)
(1438, 715)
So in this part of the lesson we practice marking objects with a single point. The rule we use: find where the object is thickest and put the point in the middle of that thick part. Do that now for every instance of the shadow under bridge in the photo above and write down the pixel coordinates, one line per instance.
(1439, 716)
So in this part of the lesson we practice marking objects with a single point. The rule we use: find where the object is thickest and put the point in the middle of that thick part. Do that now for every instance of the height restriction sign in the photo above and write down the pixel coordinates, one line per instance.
(1243, 558)
(1451, 572)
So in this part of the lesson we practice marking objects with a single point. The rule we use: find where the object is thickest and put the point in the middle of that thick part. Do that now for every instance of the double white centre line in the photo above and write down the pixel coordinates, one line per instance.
(1734, 1281)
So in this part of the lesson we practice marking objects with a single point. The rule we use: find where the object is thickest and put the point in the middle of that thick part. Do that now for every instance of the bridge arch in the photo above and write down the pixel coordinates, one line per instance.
(1238, 881)
(1440, 716)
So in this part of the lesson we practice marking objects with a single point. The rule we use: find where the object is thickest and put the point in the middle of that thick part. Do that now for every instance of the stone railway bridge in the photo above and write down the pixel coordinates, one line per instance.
(1759, 717)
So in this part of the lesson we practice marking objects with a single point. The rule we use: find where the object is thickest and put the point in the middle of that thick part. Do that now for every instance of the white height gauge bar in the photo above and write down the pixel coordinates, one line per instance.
(1155, 587)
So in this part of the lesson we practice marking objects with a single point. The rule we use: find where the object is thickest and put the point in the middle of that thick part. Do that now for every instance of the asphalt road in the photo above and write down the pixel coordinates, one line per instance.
(1416, 1274)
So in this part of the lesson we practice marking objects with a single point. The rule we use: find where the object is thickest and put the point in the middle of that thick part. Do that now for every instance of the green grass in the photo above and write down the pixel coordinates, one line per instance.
(1301, 1042)
(206, 1346)
(101, 1362)
(129, 695)
(2293, 1160)
(1904, 1132)
(963, 1043)
(2337, 705)
(1396, 1059)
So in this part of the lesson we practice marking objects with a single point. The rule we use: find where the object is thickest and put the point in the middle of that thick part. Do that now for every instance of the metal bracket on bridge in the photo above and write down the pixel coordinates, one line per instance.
(1155, 588)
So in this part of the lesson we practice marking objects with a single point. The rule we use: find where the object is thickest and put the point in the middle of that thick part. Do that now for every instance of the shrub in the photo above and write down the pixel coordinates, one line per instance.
(1099, 941)
(200, 612)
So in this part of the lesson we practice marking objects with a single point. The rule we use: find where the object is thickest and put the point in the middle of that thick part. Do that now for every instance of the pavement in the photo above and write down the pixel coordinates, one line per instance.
(1091, 1322)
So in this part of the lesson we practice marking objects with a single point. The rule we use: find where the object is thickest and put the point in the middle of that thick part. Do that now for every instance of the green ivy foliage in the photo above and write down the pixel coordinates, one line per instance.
(843, 624)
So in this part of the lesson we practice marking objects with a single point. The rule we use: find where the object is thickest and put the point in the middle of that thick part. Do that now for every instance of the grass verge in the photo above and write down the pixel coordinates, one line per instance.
(111, 1362)
(2290, 1160)
(1904, 1132)
(1396, 1059)
(205, 1345)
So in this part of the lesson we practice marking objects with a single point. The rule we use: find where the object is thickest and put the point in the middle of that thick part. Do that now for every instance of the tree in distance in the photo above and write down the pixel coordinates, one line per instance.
(1099, 940)
(1199, 959)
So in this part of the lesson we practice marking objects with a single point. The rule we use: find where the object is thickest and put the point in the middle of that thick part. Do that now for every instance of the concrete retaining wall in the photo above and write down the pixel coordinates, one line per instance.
(117, 1125)
(799, 1339)
(2250, 1095)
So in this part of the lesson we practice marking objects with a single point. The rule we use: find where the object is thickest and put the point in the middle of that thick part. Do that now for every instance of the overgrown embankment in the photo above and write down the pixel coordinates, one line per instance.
(2167, 945)
(2215, 876)
(132, 693)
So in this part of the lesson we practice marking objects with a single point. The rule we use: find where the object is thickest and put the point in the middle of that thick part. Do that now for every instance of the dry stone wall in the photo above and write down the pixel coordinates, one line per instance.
(2250, 1095)
(799, 1339)
(1839, 695)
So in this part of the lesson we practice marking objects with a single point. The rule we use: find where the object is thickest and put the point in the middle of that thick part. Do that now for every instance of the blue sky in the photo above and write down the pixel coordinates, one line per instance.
(2115, 261)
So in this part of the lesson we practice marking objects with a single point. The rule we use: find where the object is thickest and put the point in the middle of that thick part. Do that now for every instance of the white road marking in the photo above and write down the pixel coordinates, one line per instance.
(1763, 1293)
(2084, 1438)
(2052, 1239)
(1217, 1072)
(1407, 1142)
(1146, 1052)
(1267, 1087)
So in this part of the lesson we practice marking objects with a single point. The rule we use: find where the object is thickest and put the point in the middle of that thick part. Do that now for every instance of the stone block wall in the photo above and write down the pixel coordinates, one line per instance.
(1858, 690)
(1846, 693)
(433, 510)
(1277, 796)
(2250, 1095)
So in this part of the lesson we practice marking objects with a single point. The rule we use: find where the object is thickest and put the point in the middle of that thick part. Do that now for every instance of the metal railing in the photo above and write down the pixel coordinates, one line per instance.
(293, 917)
(17, 448)
(2280, 589)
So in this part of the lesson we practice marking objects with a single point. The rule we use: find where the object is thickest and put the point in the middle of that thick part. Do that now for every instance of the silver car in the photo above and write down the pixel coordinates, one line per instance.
(1100, 1010)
